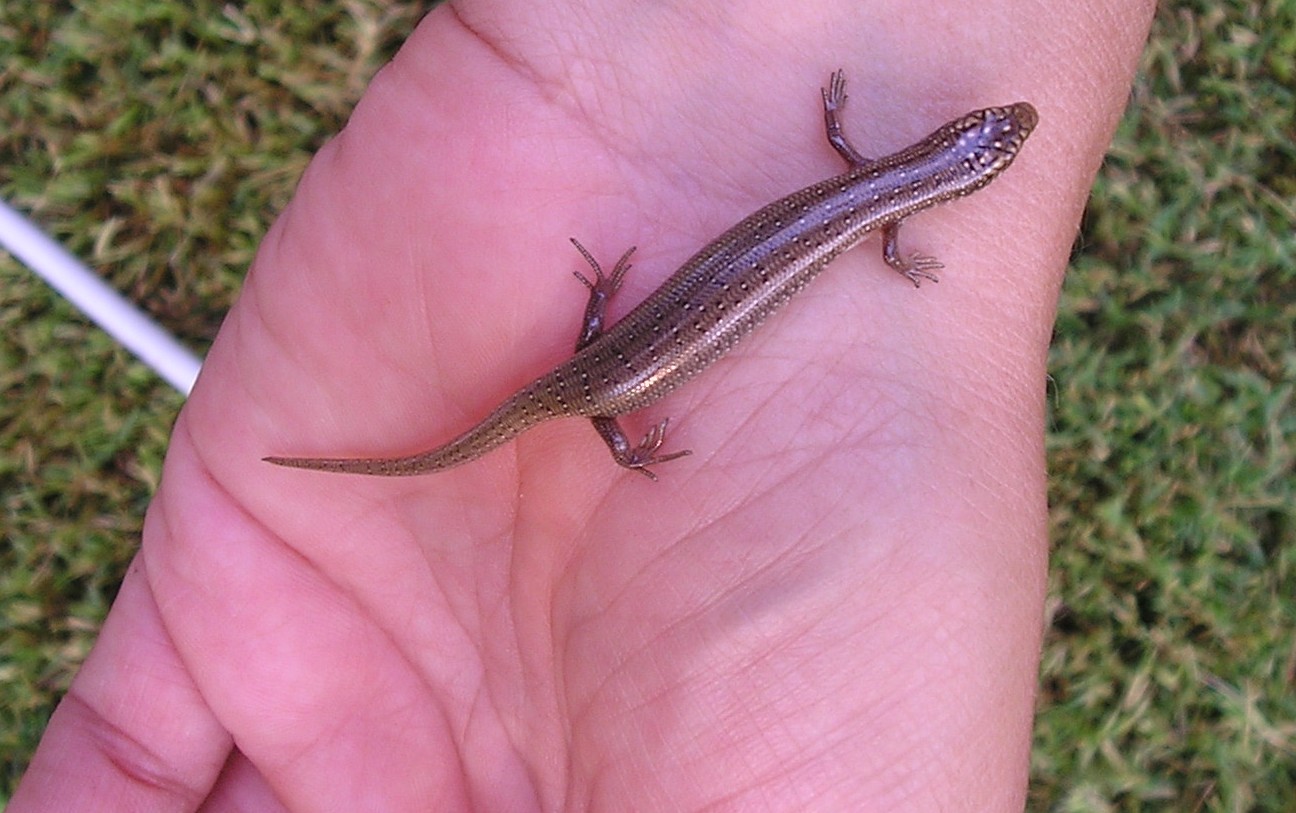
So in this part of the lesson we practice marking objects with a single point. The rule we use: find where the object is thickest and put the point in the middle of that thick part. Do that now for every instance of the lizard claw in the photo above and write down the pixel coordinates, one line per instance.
(645, 454)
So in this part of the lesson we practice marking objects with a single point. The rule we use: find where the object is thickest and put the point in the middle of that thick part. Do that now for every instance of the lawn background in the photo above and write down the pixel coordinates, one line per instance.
(158, 140)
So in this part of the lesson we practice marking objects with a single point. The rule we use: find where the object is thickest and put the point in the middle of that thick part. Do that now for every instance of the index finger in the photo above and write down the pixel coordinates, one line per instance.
(132, 733)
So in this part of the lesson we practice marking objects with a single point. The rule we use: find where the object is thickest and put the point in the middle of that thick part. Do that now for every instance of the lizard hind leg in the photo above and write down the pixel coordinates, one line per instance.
(636, 457)
(601, 288)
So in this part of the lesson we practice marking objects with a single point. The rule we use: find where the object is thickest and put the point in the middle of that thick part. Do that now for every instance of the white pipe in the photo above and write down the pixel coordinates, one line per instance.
(96, 299)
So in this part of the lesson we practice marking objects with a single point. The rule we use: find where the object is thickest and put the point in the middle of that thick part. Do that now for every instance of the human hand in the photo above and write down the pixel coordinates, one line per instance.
(835, 602)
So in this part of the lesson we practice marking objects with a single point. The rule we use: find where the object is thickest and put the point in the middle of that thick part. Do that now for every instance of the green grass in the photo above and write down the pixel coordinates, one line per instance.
(158, 139)
(1169, 665)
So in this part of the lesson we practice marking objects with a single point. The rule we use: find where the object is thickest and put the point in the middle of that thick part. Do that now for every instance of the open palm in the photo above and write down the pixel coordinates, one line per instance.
(835, 598)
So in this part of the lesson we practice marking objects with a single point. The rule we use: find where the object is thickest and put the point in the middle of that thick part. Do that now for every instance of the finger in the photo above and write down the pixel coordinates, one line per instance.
(242, 787)
(132, 733)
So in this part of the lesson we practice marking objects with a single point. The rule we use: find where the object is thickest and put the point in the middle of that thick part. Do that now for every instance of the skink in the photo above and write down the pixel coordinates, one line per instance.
(729, 287)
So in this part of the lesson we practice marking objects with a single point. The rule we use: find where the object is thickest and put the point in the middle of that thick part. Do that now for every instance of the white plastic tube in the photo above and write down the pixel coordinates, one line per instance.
(97, 300)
